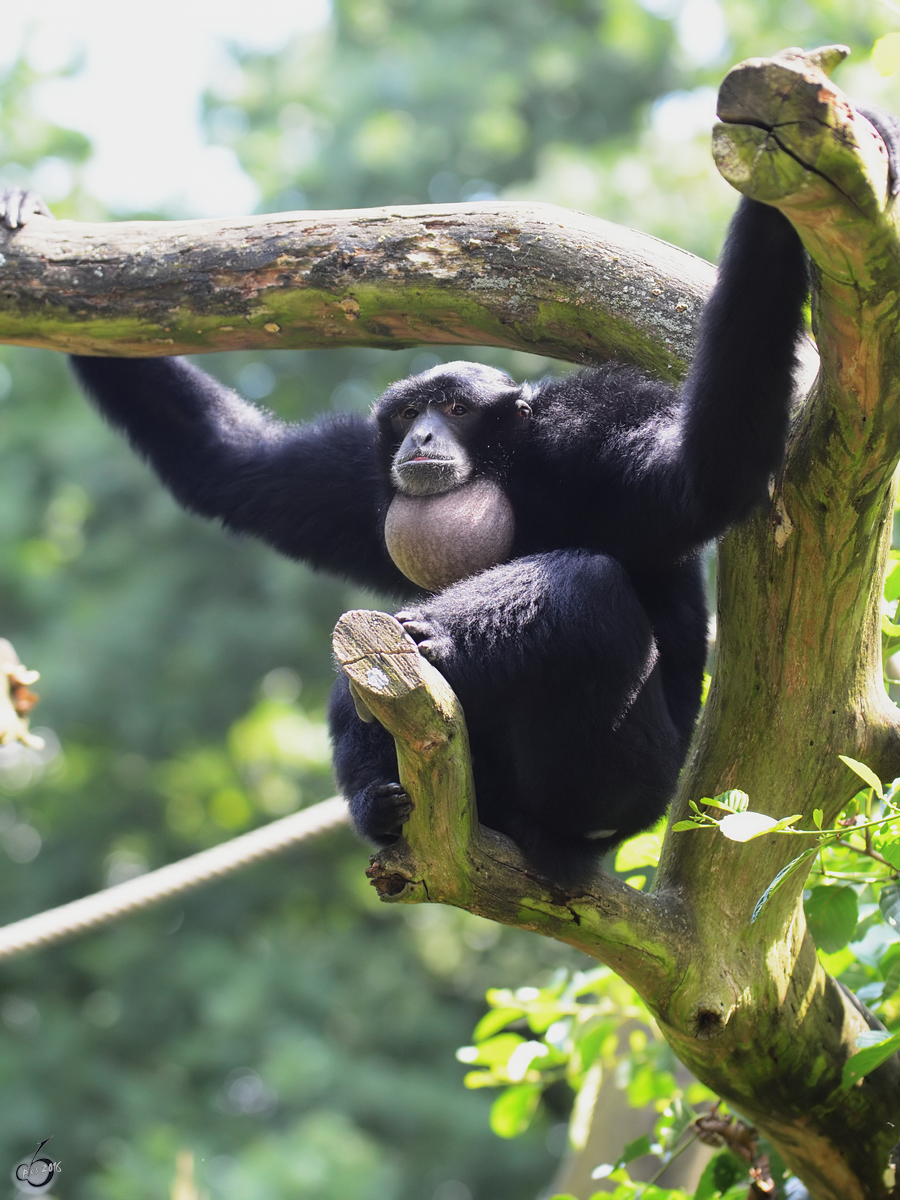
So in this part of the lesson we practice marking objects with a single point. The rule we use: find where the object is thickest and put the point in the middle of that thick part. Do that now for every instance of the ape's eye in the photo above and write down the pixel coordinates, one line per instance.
(459, 410)
(409, 414)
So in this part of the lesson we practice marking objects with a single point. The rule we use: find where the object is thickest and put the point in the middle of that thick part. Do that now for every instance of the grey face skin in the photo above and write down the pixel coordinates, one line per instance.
(432, 457)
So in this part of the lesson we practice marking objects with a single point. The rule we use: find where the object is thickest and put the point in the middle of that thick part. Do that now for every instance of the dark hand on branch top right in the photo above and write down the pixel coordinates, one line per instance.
(18, 206)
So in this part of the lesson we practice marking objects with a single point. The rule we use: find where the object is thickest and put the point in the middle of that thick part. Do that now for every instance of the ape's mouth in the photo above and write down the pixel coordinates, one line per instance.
(428, 474)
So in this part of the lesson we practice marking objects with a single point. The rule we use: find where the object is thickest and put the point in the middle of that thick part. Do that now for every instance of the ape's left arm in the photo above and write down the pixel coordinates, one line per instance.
(730, 431)
(650, 474)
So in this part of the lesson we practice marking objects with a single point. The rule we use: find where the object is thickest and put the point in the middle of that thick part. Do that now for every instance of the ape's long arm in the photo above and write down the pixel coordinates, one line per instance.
(315, 492)
(653, 474)
(735, 402)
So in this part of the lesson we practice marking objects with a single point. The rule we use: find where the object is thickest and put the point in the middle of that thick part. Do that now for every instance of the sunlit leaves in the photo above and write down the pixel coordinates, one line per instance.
(576, 1034)
(865, 773)
(733, 800)
(512, 1111)
(739, 824)
(493, 1021)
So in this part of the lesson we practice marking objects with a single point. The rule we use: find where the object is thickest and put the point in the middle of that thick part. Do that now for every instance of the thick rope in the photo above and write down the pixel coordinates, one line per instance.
(102, 908)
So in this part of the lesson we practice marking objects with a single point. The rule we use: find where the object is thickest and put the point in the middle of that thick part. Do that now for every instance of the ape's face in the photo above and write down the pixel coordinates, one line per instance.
(434, 455)
(442, 420)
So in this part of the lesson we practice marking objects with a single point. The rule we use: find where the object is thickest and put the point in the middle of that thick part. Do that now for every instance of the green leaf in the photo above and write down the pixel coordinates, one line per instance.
(832, 914)
(676, 1119)
(721, 1173)
(890, 969)
(542, 1016)
(889, 903)
(863, 771)
(888, 844)
(785, 823)
(892, 579)
(493, 1052)
(591, 982)
(636, 1149)
(818, 817)
(837, 964)
(876, 1047)
(590, 1036)
(682, 826)
(482, 1079)
(732, 801)
(495, 1020)
(779, 880)
(512, 1111)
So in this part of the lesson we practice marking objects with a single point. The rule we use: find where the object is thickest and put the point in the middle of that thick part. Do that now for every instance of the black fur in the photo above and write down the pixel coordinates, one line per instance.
(578, 662)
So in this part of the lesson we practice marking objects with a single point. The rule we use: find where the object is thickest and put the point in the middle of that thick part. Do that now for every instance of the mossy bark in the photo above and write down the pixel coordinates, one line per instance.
(798, 675)
(535, 278)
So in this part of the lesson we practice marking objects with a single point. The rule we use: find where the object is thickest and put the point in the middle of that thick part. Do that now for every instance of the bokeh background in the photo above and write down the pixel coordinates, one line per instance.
(296, 1038)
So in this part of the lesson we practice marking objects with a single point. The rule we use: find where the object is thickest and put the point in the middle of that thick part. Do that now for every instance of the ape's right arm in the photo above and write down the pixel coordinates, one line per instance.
(315, 492)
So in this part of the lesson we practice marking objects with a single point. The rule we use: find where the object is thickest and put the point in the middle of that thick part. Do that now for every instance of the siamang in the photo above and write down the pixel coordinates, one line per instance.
(544, 539)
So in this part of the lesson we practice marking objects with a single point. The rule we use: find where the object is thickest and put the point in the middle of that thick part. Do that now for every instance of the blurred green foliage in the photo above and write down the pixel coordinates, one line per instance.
(281, 1034)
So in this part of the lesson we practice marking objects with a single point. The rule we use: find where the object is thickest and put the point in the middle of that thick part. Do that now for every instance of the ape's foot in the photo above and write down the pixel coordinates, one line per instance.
(384, 810)
(429, 635)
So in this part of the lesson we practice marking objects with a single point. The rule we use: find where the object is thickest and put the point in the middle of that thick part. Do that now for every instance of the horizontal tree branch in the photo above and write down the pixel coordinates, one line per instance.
(538, 278)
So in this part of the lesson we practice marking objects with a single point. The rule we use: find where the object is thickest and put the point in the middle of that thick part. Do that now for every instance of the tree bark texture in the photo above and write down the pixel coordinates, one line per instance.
(798, 674)
(541, 279)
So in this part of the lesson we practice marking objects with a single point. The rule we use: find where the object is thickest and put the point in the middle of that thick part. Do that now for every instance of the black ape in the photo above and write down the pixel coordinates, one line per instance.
(557, 523)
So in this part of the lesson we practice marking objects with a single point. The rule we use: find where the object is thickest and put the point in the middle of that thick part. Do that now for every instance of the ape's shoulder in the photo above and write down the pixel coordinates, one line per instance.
(594, 413)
